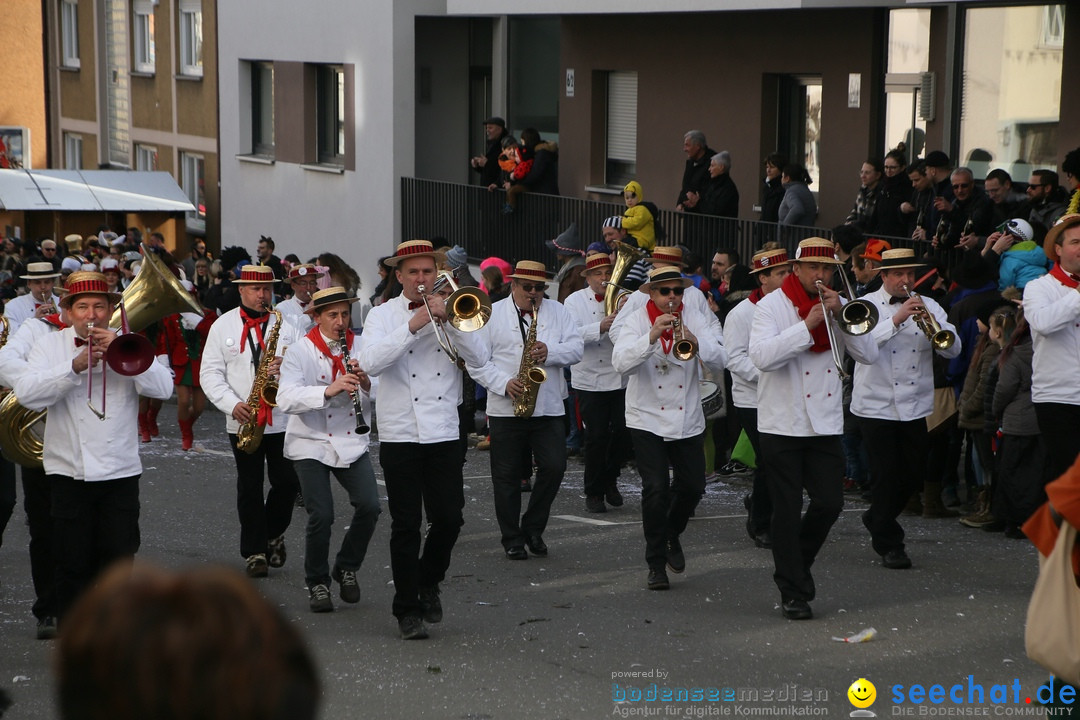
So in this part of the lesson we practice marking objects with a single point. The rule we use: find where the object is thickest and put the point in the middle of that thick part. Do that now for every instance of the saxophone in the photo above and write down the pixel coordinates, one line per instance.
(263, 392)
(529, 374)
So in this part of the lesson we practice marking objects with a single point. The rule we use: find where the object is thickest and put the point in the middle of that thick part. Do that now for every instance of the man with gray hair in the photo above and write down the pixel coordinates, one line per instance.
(718, 195)
(696, 173)
(970, 213)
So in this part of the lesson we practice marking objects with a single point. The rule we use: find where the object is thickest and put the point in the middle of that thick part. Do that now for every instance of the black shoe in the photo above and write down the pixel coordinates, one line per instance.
(595, 504)
(613, 496)
(536, 545)
(658, 580)
(432, 606)
(320, 601)
(347, 585)
(46, 628)
(526, 485)
(676, 561)
(763, 540)
(994, 526)
(796, 610)
(412, 628)
(896, 560)
(517, 553)
(1014, 532)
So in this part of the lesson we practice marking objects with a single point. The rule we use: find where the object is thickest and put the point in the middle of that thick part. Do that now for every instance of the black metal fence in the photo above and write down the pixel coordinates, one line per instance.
(471, 216)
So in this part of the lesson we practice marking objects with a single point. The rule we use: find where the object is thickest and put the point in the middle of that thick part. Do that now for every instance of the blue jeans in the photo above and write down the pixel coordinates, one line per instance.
(359, 482)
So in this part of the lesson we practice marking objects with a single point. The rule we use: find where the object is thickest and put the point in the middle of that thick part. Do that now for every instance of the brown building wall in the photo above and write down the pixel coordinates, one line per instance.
(151, 95)
(196, 99)
(22, 84)
(707, 72)
(78, 88)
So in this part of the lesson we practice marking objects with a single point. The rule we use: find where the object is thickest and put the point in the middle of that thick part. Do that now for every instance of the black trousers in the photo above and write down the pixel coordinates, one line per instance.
(897, 455)
(421, 479)
(606, 437)
(792, 464)
(263, 519)
(1058, 423)
(96, 524)
(666, 501)
(7, 494)
(511, 438)
(760, 502)
(37, 502)
(1020, 486)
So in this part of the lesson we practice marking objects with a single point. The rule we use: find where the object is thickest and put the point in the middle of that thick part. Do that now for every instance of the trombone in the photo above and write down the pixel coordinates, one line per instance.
(834, 348)
(940, 338)
(857, 316)
(467, 309)
(128, 354)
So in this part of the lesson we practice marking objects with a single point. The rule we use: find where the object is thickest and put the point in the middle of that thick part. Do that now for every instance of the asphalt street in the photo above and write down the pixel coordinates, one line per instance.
(568, 636)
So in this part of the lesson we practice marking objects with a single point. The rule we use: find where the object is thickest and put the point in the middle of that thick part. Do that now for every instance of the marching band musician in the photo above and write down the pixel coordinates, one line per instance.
(36, 495)
(233, 352)
(321, 395)
(40, 278)
(91, 462)
(600, 389)
(771, 267)
(495, 356)
(663, 412)
(304, 280)
(892, 399)
(800, 417)
(181, 339)
(419, 446)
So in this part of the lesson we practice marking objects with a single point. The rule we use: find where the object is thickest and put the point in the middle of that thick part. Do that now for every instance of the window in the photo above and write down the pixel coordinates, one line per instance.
(72, 151)
(69, 32)
(330, 114)
(191, 38)
(262, 108)
(143, 36)
(192, 182)
(145, 157)
(909, 59)
(1053, 30)
(620, 166)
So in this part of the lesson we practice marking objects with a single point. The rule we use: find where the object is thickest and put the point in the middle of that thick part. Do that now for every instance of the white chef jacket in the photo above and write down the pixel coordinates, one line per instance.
(694, 303)
(744, 374)
(20, 309)
(420, 388)
(16, 351)
(226, 374)
(799, 392)
(77, 444)
(493, 356)
(900, 384)
(295, 311)
(1053, 312)
(320, 428)
(595, 372)
(663, 395)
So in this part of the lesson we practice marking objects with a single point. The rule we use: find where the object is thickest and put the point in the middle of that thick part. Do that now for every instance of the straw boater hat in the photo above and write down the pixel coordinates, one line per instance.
(1065, 221)
(86, 283)
(40, 271)
(255, 275)
(529, 270)
(899, 258)
(818, 250)
(328, 296)
(414, 249)
(664, 274)
(305, 270)
(595, 261)
(669, 255)
(768, 259)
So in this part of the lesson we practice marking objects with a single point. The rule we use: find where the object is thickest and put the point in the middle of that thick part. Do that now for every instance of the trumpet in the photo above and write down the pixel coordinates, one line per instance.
(361, 425)
(44, 301)
(684, 348)
(837, 353)
(940, 338)
(467, 309)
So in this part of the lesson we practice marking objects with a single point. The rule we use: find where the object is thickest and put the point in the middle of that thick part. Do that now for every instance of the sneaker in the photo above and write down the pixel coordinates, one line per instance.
(432, 606)
(676, 561)
(734, 467)
(978, 520)
(595, 504)
(348, 588)
(613, 496)
(320, 601)
(796, 610)
(277, 551)
(46, 628)
(896, 560)
(484, 443)
(658, 580)
(256, 566)
(412, 628)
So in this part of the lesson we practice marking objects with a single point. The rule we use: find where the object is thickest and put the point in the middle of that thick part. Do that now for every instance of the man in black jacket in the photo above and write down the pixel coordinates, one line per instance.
(488, 163)
(696, 173)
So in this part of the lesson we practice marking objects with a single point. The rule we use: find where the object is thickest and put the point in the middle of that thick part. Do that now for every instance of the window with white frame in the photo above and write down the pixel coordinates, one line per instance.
(262, 108)
(330, 114)
(192, 181)
(142, 17)
(72, 151)
(191, 61)
(620, 164)
(69, 33)
(146, 157)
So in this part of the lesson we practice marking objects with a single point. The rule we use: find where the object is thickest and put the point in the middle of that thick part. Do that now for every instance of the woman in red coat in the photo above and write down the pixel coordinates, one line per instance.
(183, 339)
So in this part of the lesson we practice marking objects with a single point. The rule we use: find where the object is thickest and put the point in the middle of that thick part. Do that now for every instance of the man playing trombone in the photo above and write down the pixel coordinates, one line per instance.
(800, 418)
(91, 461)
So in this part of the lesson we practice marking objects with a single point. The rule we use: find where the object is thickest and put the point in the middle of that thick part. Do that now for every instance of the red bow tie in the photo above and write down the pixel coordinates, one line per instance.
(79, 342)
(599, 297)
(526, 313)
(415, 305)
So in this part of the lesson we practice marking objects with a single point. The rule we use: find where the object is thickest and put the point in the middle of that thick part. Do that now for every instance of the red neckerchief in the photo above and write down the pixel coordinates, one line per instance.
(1067, 279)
(316, 338)
(667, 338)
(249, 323)
(55, 321)
(803, 303)
(756, 295)
(599, 297)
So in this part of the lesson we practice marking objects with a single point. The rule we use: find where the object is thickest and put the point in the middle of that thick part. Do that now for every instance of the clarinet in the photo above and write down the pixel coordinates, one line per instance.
(361, 426)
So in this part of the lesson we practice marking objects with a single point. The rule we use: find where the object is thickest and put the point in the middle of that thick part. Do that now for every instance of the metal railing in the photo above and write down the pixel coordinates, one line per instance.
(471, 216)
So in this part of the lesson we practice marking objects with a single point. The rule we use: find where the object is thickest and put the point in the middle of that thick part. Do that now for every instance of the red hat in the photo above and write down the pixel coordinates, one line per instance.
(255, 275)
(874, 248)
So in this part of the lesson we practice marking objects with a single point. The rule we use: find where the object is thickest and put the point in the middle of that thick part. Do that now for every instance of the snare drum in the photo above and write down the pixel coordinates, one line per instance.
(712, 400)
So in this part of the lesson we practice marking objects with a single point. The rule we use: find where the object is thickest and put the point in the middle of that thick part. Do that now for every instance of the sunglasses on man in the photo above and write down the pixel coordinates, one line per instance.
(665, 291)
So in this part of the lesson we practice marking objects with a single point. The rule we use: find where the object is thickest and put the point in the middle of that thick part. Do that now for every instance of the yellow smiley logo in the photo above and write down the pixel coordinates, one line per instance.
(862, 693)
